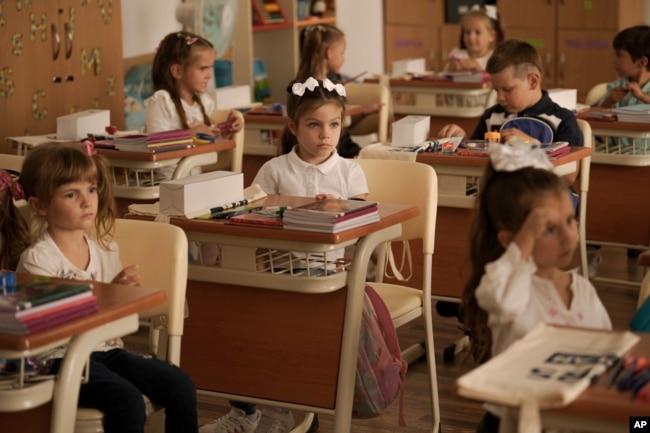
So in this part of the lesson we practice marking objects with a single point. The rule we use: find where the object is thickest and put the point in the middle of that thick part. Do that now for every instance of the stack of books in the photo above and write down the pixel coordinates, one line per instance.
(330, 215)
(155, 142)
(556, 149)
(638, 113)
(37, 305)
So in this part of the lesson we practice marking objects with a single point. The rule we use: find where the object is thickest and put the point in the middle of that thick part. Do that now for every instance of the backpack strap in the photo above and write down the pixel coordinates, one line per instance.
(390, 335)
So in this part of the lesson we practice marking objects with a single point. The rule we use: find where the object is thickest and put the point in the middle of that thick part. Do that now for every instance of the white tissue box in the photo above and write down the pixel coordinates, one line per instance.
(413, 66)
(565, 98)
(195, 195)
(78, 125)
(410, 131)
(231, 97)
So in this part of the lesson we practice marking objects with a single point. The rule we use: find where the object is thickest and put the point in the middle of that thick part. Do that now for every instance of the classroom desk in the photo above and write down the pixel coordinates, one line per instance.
(445, 101)
(619, 201)
(263, 131)
(458, 178)
(600, 408)
(57, 397)
(271, 337)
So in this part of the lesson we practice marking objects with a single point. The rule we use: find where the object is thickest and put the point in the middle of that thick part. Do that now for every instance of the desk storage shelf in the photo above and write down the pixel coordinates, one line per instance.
(631, 150)
(440, 101)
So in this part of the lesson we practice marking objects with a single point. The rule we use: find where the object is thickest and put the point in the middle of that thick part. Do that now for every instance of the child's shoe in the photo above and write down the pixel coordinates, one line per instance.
(236, 421)
(276, 420)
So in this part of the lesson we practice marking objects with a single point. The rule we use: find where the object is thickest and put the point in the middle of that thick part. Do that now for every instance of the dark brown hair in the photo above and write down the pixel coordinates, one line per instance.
(636, 41)
(517, 53)
(297, 106)
(177, 48)
(503, 203)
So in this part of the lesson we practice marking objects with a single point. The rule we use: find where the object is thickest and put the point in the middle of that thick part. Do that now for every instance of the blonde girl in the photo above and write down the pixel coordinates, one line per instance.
(69, 191)
(480, 33)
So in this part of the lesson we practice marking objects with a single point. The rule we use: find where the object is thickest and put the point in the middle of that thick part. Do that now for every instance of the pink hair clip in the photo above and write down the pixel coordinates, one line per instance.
(190, 40)
(89, 148)
(14, 187)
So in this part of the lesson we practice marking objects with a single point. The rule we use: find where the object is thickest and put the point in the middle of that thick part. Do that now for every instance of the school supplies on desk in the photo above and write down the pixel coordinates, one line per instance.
(637, 113)
(330, 215)
(260, 218)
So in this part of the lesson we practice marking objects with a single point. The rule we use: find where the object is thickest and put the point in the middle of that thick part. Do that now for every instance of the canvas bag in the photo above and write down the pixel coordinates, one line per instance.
(381, 371)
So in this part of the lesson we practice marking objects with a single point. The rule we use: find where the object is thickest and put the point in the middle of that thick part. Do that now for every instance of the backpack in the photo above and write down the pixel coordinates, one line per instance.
(536, 128)
(381, 371)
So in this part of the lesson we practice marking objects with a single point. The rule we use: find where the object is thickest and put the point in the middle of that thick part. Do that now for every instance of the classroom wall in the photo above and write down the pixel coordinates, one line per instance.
(145, 22)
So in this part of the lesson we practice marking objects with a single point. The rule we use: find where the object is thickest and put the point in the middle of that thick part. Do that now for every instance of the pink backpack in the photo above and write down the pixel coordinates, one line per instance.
(381, 371)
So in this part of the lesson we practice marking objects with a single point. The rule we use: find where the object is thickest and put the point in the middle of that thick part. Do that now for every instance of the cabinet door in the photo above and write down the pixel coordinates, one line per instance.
(599, 14)
(403, 42)
(529, 13)
(448, 40)
(28, 97)
(419, 12)
(92, 70)
(584, 60)
(544, 41)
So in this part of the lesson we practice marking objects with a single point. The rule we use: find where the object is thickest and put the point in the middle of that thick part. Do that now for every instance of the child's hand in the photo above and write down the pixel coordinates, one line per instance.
(451, 130)
(509, 135)
(324, 196)
(635, 89)
(129, 276)
(201, 128)
(466, 65)
(372, 109)
(538, 221)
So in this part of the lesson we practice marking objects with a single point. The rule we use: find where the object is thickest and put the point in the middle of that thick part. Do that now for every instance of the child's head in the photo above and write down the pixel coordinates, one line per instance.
(480, 32)
(183, 66)
(521, 181)
(632, 51)
(316, 111)
(516, 74)
(322, 49)
(50, 167)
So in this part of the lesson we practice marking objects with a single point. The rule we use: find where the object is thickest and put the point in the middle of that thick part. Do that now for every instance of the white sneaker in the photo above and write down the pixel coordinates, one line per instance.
(236, 421)
(276, 420)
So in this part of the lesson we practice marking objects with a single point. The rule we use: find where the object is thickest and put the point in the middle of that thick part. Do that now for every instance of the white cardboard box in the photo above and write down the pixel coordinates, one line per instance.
(231, 97)
(76, 126)
(196, 195)
(565, 98)
(413, 66)
(410, 131)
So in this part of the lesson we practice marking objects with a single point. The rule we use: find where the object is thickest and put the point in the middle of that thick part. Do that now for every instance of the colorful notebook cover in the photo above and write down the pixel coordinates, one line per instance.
(39, 292)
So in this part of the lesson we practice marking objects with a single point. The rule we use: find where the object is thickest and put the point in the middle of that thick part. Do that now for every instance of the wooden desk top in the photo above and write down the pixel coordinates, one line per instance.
(431, 82)
(350, 110)
(438, 158)
(605, 401)
(182, 153)
(603, 119)
(114, 302)
(390, 214)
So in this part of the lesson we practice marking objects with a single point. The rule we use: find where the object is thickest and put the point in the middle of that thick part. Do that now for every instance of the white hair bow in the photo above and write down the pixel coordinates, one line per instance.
(517, 156)
(298, 89)
(340, 88)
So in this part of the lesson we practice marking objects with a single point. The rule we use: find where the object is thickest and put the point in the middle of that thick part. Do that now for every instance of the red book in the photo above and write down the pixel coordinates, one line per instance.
(58, 318)
(256, 219)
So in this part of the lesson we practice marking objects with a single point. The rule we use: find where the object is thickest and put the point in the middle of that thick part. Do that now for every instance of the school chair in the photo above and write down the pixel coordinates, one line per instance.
(596, 93)
(161, 251)
(230, 159)
(393, 181)
(365, 94)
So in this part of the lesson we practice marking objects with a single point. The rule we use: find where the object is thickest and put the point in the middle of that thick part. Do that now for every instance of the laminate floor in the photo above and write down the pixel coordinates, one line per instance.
(458, 415)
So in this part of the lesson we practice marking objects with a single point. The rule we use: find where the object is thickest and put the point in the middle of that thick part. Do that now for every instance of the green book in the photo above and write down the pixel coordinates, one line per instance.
(38, 292)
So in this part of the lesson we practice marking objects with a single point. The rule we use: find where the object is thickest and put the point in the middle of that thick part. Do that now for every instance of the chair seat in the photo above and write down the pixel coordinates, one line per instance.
(401, 301)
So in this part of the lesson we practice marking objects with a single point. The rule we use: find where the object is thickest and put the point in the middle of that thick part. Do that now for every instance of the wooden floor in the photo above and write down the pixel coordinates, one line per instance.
(460, 415)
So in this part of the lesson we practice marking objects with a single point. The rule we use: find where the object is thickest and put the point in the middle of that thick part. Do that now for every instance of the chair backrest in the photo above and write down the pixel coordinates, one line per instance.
(596, 93)
(230, 160)
(366, 94)
(11, 162)
(403, 182)
(161, 251)
(585, 166)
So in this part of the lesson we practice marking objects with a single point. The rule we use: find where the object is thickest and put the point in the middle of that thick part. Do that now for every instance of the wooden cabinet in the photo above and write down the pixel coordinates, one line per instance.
(574, 37)
(275, 44)
(58, 57)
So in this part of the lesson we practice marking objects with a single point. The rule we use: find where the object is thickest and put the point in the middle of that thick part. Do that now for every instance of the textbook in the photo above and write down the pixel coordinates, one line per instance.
(330, 210)
(258, 219)
(637, 113)
(39, 292)
(330, 215)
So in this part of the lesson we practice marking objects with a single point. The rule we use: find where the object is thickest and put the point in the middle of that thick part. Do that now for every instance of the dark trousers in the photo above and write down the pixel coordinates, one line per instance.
(489, 424)
(117, 381)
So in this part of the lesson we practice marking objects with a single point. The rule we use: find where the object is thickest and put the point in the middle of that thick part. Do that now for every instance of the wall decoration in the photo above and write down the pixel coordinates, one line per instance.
(106, 10)
(34, 27)
(17, 44)
(110, 91)
(6, 83)
(38, 115)
(19, 4)
(92, 62)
